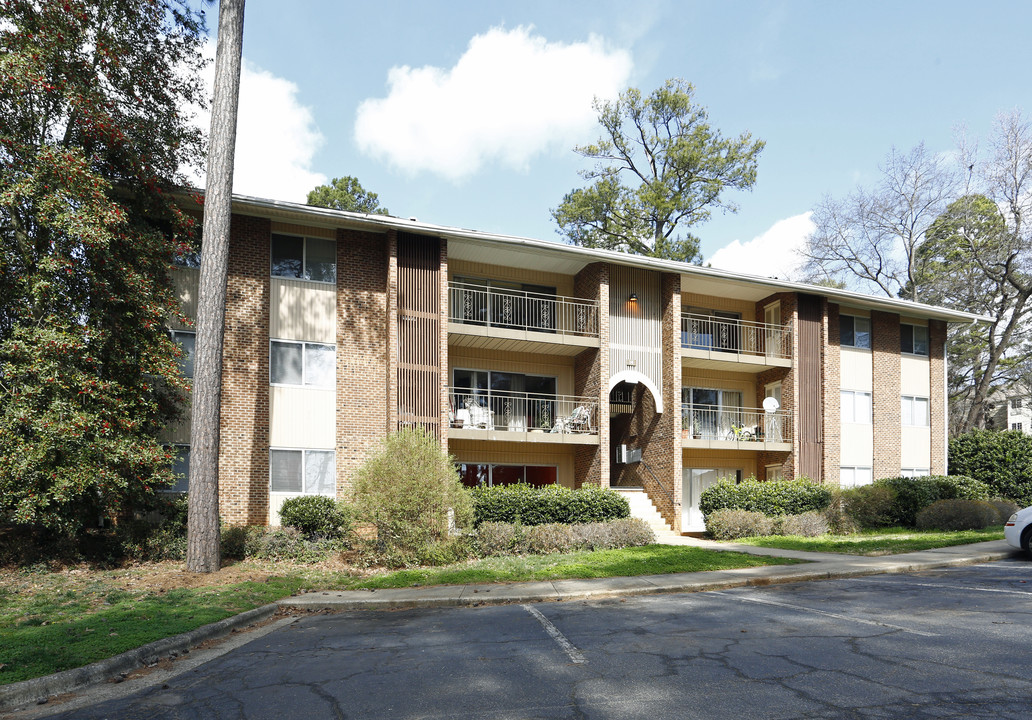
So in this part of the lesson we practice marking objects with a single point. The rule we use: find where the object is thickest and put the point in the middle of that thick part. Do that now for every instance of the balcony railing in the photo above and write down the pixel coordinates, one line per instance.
(742, 337)
(473, 409)
(517, 310)
(735, 424)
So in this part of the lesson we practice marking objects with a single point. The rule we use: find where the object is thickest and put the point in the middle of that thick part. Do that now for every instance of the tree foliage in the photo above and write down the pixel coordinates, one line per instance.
(91, 136)
(660, 169)
(346, 193)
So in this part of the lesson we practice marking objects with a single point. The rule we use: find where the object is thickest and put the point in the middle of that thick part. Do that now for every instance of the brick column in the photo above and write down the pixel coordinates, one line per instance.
(445, 374)
(937, 403)
(591, 377)
(789, 390)
(672, 388)
(832, 396)
(244, 419)
(887, 422)
(392, 330)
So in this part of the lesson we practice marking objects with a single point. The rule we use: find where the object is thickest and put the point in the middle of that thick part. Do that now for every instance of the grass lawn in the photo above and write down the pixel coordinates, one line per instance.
(883, 541)
(52, 621)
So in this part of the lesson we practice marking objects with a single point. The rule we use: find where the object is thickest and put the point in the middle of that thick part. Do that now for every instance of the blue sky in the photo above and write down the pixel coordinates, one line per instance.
(465, 113)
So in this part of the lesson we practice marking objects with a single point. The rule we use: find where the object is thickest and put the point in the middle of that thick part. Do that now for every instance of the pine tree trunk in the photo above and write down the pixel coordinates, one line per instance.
(203, 552)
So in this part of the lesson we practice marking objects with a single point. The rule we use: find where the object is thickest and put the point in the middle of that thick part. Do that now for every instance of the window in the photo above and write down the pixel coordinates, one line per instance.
(301, 363)
(709, 414)
(304, 258)
(1015, 403)
(913, 339)
(855, 476)
(476, 475)
(775, 472)
(186, 341)
(855, 331)
(1015, 426)
(311, 472)
(914, 411)
(706, 329)
(180, 468)
(511, 401)
(914, 472)
(856, 406)
(499, 303)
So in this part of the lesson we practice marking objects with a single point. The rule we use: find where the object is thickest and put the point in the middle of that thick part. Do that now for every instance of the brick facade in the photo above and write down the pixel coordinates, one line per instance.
(886, 396)
(591, 378)
(937, 401)
(832, 395)
(787, 378)
(244, 444)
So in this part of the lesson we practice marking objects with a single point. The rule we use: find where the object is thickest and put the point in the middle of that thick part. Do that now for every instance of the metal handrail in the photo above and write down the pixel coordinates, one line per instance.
(471, 304)
(739, 424)
(484, 409)
(743, 337)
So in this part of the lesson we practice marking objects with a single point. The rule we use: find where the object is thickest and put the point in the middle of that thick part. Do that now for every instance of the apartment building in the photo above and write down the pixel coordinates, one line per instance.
(538, 362)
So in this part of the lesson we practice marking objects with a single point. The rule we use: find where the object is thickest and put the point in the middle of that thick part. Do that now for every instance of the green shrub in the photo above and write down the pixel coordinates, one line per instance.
(1004, 509)
(316, 516)
(957, 514)
(242, 542)
(410, 492)
(774, 497)
(1001, 460)
(732, 524)
(870, 506)
(494, 538)
(915, 494)
(807, 524)
(550, 504)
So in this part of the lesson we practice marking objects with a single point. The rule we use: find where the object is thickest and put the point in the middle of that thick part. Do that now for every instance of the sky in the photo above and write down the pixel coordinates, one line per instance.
(466, 113)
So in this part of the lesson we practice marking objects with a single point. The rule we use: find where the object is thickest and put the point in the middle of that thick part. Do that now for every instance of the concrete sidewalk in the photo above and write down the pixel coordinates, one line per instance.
(817, 566)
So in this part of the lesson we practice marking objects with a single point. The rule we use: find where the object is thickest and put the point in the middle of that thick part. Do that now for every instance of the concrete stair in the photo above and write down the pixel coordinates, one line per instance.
(642, 508)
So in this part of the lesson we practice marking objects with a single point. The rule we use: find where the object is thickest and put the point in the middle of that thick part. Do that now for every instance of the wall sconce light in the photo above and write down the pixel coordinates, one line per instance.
(633, 298)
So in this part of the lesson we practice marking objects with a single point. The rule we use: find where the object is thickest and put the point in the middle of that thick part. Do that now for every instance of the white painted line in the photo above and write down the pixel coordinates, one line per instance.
(573, 653)
(827, 614)
(946, 587)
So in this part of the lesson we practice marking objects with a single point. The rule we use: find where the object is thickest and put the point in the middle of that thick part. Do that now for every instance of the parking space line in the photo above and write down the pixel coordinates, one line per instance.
(944, 587)
(837, 616)
(572, 652)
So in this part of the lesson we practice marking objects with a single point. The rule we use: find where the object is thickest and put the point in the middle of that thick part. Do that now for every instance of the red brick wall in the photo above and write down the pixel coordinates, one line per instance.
(937, 401)
(887, 427)
(591, 378)
(362, 363)
(787, 378)
(442, 343)
(244, 445)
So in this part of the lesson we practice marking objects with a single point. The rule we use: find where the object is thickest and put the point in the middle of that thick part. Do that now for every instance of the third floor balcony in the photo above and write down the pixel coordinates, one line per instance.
(713, 341)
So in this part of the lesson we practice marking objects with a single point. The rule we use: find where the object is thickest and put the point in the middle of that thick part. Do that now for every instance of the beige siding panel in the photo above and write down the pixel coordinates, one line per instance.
(744, 383)
(472, 451)
(720, 459)
(301, 418)
(635, 328)
(857, 370)
(915, 377)
(857, 445)
(483, 359)
(464, 268)
(186, 282)
(306, 230)
(713, 302)
(917, 447)
(858, 312)
(302, 310)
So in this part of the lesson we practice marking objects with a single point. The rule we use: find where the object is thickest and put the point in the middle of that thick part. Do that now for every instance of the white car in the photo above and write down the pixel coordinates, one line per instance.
(1018, 530)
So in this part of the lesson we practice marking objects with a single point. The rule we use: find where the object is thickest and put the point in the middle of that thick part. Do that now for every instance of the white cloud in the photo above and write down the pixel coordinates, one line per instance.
(277, 137)
(511, 96)
(775, 253)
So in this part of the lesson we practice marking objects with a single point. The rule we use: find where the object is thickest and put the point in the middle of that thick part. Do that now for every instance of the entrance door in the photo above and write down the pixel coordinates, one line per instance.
(693, 482)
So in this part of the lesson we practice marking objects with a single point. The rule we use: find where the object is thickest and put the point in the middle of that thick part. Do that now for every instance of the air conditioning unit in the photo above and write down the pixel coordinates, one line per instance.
(627, 456)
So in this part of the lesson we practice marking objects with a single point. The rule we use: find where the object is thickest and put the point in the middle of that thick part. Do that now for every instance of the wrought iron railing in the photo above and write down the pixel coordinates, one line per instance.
(522, 412)
(713, 422)
(517, 310)
(706, 332)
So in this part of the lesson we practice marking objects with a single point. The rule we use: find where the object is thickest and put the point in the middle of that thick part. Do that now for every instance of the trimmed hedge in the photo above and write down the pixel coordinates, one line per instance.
(316, 516)
(495, 538)
(773, 498)
(529, 505)
(915, 494)
(731, 524)
(1001, 460)
(958, 514)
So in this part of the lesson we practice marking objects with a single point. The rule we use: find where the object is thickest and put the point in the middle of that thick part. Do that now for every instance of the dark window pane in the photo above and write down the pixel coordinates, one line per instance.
(906, 338)
(506, 474)
(846, 330)
(472, 475)
(186, 341)
(285, 470)
(862, 332)
(181, 468)
(540, 476)
(321, 260)
(920, 340)
(287, 256)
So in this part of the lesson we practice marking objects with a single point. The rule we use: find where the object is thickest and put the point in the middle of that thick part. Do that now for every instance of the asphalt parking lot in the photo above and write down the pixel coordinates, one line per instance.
(945, 643)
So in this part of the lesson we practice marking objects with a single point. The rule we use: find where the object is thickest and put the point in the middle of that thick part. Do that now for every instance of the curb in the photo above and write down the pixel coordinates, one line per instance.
(38, 690)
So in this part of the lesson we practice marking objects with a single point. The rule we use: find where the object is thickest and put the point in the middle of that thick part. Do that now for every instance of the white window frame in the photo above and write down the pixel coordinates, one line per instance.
(914, 472)
(870, 335)
(851, 471)
(907, 406)
(304, 258)
(870, 407)
(304, 466)
(1016, 426)
(304, 365)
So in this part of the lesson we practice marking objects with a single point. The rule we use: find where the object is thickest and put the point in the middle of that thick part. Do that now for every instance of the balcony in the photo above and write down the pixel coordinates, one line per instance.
(718, 427)
(517, 321)
(522, 417)
(737, 345)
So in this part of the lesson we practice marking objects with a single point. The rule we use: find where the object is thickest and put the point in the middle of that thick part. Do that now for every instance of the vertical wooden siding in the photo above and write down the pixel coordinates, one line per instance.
(419, 278)
(636, 328)
(811, 410)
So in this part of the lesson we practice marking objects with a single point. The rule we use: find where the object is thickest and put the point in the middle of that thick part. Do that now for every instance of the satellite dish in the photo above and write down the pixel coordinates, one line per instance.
(771, 404)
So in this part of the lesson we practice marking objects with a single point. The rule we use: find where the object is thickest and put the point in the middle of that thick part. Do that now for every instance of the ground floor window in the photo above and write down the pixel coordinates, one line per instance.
(311, 472)
(485, 475)
(854, 476)
(775, 472)
(180, 468)
(1015, 426)
(914, 472)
